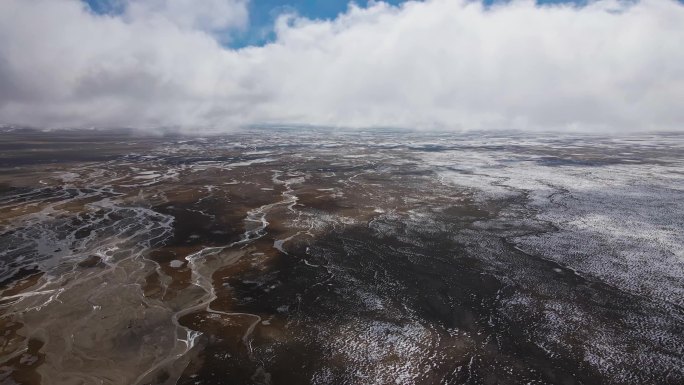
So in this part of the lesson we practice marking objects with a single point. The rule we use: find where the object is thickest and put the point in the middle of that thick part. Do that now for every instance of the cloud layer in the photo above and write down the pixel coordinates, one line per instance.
(438, 64)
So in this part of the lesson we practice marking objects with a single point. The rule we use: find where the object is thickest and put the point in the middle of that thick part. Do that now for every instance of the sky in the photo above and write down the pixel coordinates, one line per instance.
(262, 14)
(219, 65)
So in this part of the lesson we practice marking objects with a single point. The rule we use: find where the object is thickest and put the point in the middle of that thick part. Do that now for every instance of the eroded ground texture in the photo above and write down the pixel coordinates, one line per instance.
(309, 257)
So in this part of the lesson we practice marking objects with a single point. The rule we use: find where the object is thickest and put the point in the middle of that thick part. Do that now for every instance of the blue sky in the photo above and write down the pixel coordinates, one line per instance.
(262, 14)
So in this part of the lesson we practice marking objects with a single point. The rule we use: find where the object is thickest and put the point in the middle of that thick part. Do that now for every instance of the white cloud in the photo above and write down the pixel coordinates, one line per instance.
(205, 15)
(435, 64)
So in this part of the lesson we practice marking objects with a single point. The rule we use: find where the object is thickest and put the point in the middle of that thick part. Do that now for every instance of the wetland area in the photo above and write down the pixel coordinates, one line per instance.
(309, 257)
